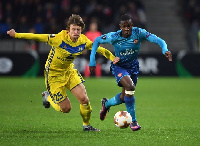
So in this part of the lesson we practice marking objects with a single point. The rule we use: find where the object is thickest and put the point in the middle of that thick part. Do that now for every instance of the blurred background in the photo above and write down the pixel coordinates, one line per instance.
(175, 21)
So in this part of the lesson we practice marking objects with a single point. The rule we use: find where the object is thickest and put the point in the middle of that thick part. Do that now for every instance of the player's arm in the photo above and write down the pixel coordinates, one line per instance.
(31, 36)
(106, 53)
(95, 46)
(104, 39)
(154, 39)
(168, 54)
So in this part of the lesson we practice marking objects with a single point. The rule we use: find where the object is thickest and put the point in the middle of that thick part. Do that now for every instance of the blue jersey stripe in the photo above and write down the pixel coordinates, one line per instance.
(71, 49)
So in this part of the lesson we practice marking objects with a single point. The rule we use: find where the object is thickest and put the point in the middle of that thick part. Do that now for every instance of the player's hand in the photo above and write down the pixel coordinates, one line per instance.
(168, 54)
(11, 33)
(116, 59)
(92, 68)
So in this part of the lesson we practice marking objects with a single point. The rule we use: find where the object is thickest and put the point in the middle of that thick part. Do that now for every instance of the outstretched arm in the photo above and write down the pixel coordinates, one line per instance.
(106, 53)
(104, 39)
(37, 37)
(154, 39)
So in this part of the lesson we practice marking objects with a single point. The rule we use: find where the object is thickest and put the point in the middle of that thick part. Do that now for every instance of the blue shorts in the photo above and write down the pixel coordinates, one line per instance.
(119, 71)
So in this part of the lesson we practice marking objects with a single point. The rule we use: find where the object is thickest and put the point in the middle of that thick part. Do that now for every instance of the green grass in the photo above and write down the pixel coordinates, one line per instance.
(168, 109)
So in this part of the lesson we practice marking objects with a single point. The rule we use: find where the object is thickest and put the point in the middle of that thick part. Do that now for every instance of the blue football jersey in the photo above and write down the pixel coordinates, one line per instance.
(127, 49)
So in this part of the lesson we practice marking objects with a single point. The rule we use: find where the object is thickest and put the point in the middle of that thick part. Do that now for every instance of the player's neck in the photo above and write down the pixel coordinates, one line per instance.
(126, 36)
(74, 39)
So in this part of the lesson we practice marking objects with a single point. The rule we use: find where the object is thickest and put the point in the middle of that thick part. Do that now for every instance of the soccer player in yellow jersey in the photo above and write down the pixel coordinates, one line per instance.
(59, 68)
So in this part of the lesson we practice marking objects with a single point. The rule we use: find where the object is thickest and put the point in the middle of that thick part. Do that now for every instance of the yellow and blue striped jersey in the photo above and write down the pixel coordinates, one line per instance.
(63, 51)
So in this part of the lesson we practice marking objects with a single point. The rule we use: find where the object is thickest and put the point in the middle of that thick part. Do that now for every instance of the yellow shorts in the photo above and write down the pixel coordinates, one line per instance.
(57, 85)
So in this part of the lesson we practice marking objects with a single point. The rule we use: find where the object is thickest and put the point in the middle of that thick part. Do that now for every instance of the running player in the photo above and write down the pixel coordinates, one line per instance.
(59, 68)
(126, 44)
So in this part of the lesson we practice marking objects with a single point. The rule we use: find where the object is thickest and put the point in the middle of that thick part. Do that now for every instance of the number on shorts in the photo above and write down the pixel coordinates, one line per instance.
(58, 96)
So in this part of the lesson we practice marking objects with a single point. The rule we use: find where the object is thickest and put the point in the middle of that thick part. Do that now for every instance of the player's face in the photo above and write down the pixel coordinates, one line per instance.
(74, 32)
(126, 27)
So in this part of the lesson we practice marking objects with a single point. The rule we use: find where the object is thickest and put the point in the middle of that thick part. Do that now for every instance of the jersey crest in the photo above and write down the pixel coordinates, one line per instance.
(135, 41)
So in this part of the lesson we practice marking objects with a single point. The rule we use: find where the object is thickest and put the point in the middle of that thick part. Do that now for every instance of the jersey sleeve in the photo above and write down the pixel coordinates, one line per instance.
(103, 51)
(88, 44)
(154, 39)
(103, 39)
(32, 36)
(54, 39)
(51, 39)
(106, 53)
(107, 38)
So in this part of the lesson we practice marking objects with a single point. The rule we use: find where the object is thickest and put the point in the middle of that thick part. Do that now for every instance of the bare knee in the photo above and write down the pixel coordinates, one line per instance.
(65, 106)
(127, 83)
(130, 88)
(84, 100)
(66, 109)
(129, 91)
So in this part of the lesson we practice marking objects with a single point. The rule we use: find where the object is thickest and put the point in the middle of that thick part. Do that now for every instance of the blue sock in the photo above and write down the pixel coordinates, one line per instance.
(130, 106)
(116, 100)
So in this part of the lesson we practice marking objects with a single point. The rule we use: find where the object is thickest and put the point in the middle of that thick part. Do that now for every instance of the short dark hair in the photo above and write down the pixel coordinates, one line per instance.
(125, 17)
(75, 19)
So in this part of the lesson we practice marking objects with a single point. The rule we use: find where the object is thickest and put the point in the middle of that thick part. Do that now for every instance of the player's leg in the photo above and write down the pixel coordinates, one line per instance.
(56, 94)
(62, 105)
(85, 108)
(116, 100)
(118, 72)
(129, 98)
(107, 103)
(65, 105)
(75, 85)
(47, 101)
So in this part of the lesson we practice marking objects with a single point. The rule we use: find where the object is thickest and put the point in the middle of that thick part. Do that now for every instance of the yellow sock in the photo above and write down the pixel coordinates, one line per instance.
(54, 105)
(85, 111)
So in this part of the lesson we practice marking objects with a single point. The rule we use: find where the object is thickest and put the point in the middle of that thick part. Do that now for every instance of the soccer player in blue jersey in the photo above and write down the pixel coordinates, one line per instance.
(126, 43)
(59, 68)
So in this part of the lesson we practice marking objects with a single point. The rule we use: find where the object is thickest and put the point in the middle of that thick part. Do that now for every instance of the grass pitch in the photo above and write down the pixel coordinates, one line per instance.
(168, 109)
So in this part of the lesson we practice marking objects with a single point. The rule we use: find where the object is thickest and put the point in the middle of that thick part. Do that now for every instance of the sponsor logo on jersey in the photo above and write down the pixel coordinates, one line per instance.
(135, 41)
(128, 52)
(119, 75)
(68, 58)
